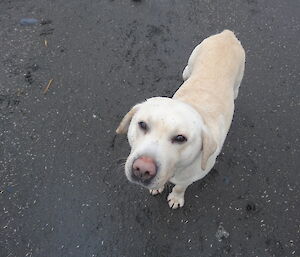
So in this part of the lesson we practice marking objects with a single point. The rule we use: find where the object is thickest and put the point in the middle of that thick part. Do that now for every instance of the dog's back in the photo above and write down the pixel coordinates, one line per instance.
(212, 78)
(218, 57)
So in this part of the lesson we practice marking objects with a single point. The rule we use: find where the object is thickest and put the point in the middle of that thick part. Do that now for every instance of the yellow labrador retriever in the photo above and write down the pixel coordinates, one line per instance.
(178, 139)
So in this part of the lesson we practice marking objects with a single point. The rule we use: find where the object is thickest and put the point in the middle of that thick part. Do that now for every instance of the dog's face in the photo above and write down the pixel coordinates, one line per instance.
(165, 136)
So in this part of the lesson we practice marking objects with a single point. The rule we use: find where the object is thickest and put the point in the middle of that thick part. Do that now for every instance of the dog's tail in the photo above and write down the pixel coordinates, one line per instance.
(230, 35)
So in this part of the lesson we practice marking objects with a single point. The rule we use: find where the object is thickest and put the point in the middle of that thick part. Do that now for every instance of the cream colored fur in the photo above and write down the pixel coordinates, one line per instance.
(201, 109)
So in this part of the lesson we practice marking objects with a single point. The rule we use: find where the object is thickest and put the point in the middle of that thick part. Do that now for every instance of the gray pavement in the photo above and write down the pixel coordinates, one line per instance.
(62, 188)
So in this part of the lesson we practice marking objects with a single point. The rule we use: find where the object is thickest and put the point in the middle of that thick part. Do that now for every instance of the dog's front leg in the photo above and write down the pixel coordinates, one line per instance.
(157, 191)
(176, 197)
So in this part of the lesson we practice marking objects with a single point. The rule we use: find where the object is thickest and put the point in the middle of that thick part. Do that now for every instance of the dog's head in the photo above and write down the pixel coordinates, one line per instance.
(165, 135)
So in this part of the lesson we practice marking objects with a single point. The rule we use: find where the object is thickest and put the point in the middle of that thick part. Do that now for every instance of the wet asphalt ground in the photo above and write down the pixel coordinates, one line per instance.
(62, 188)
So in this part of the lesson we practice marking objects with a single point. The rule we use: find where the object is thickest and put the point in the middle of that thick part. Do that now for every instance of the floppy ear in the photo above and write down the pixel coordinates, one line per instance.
(209, 146)
(124, 124)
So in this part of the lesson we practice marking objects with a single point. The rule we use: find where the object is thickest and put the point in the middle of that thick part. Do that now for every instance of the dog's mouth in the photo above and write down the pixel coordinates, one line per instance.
(148, 183)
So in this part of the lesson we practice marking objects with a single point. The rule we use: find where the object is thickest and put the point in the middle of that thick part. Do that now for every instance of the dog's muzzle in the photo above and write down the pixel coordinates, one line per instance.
(144, 169)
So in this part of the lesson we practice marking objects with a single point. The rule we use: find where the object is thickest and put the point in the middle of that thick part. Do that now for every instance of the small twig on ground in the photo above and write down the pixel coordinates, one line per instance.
(48, 85)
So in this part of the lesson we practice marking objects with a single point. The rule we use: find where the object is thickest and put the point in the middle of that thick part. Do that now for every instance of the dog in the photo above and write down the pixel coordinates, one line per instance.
(178, 139)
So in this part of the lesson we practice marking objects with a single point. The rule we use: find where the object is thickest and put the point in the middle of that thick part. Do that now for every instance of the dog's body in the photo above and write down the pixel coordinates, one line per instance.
(178, 139)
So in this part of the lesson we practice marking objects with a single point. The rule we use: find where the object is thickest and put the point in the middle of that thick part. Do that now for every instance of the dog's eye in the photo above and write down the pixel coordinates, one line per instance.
(179, 139)
(143, 126)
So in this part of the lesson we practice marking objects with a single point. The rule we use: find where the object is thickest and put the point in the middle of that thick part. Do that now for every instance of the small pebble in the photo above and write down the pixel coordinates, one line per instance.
(226, 180)
(221, 233)
(28, 21)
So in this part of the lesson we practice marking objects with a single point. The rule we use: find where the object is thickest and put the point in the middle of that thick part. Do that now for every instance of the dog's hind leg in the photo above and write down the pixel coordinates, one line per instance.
(188, 69)
(239, 79)
(186, 73)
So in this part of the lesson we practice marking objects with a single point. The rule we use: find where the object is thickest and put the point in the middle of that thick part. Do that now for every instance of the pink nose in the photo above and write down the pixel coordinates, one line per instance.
(144, 169)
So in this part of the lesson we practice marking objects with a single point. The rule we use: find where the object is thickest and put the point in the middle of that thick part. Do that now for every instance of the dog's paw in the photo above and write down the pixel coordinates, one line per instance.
(156, 191)
(175, 200)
